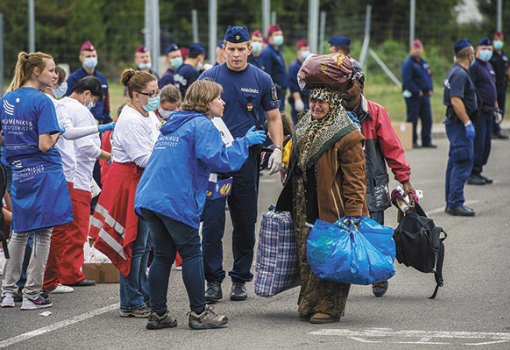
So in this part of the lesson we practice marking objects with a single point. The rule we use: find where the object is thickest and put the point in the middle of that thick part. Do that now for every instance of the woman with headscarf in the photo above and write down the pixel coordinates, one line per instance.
(326, 180)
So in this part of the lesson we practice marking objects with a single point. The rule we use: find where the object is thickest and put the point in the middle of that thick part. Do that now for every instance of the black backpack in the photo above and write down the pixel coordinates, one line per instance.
(419, 244)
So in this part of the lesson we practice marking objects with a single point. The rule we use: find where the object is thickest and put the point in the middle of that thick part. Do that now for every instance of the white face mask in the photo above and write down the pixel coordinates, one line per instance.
(144, 66)
(163, 113)
(200, 65)
(61, 90)
(256, 46)
(90, 62)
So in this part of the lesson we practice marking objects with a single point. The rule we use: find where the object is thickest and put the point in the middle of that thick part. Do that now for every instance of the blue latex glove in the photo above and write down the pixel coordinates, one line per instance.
(470, 130)
(255, 137)
(105, 127)
(62, 129)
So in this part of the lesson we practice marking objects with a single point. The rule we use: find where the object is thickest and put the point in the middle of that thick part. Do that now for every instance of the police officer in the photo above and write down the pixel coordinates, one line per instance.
(298, 98)
(461, 106)
(501, 64)
(174, 60)
(342, 44)
(246, 90)
(143, 60)
(484, 79)
(271, 61)
(257, 44)
(186, 74)
(418, 88)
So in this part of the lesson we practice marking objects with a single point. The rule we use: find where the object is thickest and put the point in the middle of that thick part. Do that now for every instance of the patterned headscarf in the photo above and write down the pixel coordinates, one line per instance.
(314, 136)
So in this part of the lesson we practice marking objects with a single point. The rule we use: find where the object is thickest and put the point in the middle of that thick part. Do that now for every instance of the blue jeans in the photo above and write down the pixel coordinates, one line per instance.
(134, 289)
(170, 236)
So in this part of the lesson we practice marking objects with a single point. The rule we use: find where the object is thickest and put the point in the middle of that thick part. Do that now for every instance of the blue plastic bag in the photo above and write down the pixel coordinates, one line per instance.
(380, 236)
(340, 253)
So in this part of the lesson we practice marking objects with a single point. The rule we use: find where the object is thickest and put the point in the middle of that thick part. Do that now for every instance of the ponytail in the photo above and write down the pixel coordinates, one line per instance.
(25, 67)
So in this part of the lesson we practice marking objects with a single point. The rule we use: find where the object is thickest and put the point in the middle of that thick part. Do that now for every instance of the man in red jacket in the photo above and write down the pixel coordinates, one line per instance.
(381, 146)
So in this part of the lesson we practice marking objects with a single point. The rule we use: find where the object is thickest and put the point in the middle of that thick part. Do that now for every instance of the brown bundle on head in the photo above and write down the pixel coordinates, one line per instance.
(333, 71)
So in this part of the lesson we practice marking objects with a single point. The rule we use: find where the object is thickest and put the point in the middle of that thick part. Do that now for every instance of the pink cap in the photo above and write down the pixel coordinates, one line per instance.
(141, 49)
(257, 32)
(417, 43)
(301, 43)
(272, 29)
(87, 46)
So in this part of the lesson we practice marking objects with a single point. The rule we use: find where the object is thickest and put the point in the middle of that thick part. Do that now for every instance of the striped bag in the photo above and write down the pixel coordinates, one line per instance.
(277, 267)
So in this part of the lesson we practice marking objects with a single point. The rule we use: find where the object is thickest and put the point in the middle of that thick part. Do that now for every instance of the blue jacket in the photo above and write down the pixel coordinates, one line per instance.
(416, 75)
(175, 180)
(271, 61)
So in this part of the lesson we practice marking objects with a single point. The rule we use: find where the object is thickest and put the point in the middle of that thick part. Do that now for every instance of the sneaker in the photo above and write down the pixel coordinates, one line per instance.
(159, 322)
(207, 319)
(138, 313)
(380, 288)
(61, 289)
(38, 303)
(213, 293)
(238, 292)
(8, 300)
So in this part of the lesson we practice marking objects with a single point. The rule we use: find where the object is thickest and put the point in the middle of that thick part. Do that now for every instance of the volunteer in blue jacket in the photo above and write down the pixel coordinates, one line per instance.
(418, 88)
(188, 150)
(40, 196)
(247, 91)
(461, 106)
(298, 97)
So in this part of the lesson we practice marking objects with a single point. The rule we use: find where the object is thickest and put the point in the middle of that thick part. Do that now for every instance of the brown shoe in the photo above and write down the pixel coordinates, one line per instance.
(320, 318)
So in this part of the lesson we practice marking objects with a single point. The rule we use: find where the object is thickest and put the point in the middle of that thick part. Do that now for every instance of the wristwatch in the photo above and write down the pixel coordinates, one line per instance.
(278, 147)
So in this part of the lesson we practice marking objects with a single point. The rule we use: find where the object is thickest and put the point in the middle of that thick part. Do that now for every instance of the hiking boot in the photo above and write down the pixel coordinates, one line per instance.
(207, 319)
(61, 289)
(238, 292)
(36, 304)
(213, 293)
(8, 300)
(159, 322)
(380, 288)
(142, 312)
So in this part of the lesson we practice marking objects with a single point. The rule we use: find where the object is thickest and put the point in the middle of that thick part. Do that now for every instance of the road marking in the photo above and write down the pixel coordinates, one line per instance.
(58, 325)
(422, 337)
(441, 209)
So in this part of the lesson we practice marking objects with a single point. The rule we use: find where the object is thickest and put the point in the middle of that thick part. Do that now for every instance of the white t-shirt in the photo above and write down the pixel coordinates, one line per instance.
(134, 137)
(87, 149)
(65, 147)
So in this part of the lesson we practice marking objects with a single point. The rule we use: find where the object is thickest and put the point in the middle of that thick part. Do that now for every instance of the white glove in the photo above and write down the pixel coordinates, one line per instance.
(407, 93)
(498, 116)
(299, 105)
(275, 161)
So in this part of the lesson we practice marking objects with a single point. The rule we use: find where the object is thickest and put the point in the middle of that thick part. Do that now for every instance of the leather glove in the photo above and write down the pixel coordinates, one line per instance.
(299, 105)
(275, 161)
(255, 137)
(470, 130)
(105, 127)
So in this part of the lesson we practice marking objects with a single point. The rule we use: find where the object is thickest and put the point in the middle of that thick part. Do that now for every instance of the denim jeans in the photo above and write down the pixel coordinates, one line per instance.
(134, 289)
(170, 236)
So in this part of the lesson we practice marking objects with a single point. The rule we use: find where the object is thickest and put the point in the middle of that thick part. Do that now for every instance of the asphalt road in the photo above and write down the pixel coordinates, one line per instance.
(471, 309)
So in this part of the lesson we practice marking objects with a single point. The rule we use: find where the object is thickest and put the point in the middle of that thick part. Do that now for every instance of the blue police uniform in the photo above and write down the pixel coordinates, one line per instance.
(294, 87)
(184, 77)
(461, 154)
(484, 79)
(247, 93)
(416, 76)
(271, 62)
(167, 78)
(255, 61)
(500, 63)
(101, 111)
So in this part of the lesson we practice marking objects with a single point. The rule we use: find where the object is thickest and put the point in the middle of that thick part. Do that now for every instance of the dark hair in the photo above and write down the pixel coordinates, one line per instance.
(61, 74)
(192, 53)
(346, 49)
(464, 53)
(288, 124)
(135, 80)
(90, 83)
(169, 93)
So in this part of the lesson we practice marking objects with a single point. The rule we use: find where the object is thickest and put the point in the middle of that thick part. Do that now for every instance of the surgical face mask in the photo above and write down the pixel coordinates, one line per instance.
(90, 104)
(304, 55)
(163, 113)
(278, 40)
(61, 90)
(256, 46)
(90, 62)
(498, 44)
(143, 66)
(200, 65)
(176, 62)
(485, 55)
(152, 104)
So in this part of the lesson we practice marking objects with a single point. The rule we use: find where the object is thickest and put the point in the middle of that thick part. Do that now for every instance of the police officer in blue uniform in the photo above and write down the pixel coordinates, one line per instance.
(461, 107)
(257, 44)
(298, 97)
(484, 78)
(190, 70)
(88, 58)
(271, 61)
(417, 89)
(247, 91)
(501, 64)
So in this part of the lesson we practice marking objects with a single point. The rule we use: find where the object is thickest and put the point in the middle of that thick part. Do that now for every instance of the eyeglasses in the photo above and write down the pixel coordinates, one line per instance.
(150, 94)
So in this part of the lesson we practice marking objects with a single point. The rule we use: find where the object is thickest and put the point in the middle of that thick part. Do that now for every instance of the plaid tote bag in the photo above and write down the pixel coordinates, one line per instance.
(277, 267)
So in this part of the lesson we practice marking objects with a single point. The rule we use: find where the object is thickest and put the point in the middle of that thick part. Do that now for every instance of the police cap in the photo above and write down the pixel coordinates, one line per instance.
(236, 35)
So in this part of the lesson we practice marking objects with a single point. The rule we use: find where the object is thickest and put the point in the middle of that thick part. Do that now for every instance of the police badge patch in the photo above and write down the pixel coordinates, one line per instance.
(274, 94)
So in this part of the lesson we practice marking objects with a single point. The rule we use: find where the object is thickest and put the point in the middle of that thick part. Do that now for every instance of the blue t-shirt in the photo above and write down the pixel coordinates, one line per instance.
(484, 78)
(416, 75)
(247, 94)
(184, 77)
(271, 61)
(167, 78)
(458, 84)
(254, 60)
(27, 113)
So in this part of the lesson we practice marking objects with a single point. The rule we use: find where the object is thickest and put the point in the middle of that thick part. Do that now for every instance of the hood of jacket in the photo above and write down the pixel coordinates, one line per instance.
(177, 118)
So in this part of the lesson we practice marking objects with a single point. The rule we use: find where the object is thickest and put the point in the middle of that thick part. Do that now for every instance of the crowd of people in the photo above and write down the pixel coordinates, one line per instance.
(60, 143)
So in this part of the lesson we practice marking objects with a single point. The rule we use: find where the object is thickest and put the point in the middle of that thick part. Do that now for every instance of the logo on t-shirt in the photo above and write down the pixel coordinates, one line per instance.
(8, 108)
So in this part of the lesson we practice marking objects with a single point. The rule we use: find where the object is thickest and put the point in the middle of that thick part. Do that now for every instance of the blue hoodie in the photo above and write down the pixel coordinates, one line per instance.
(175, 180)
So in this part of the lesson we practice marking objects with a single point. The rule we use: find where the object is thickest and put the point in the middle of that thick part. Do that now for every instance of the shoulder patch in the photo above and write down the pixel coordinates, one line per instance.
(274, 94)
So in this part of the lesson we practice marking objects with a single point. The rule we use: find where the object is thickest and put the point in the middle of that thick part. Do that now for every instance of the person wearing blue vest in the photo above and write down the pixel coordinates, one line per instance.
(188, 150)
(298, 97)
(89, 61)
(40, 196)
(186, 74)
(418, 88)
(247, 91)
(459, 97)
(272, 62)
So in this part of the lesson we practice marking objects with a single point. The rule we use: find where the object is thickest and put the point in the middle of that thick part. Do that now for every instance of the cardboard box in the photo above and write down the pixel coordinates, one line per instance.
(217, 189)
(101, 272)
(404, 132)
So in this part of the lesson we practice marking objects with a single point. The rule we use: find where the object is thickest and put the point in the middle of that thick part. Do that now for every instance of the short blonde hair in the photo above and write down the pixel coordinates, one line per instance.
(200, 94)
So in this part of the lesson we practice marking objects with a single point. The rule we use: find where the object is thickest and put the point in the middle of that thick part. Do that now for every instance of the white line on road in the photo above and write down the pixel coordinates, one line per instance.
(58, 325)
